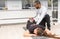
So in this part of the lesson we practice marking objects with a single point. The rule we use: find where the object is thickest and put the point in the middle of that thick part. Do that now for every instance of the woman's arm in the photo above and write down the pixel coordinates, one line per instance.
(28, 24)
(27, 34)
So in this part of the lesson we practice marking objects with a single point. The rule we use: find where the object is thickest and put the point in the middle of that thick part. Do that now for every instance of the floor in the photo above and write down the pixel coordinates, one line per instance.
(15, 31)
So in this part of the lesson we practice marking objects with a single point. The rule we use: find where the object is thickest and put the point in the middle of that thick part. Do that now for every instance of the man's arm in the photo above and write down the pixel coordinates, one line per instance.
(43, 13)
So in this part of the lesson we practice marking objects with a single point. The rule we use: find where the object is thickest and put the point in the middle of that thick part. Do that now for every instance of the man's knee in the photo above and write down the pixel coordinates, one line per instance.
(48, 21)
(47, 16)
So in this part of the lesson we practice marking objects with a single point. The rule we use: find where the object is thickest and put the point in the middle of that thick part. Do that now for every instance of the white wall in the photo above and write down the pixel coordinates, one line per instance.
(14, 5)
(17, 14)
(59, 11)
(44, 3)
(13, 16)
(9, 16)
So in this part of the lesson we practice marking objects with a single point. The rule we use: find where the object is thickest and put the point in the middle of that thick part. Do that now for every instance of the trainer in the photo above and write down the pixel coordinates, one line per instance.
(42, 17)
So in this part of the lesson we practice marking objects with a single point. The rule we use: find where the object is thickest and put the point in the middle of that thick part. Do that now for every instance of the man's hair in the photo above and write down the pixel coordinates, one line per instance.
(39, 32)
(38, 2)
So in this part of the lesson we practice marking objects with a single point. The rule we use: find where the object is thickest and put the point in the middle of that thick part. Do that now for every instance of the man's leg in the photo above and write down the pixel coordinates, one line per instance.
(47, 19)
(43, 22)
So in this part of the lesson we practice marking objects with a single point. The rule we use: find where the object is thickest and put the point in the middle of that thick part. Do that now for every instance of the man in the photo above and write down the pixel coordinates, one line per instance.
(42, 16)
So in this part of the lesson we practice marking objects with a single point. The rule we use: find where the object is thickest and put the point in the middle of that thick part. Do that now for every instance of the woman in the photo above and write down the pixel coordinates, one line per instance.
(37, 30)
(30, 22)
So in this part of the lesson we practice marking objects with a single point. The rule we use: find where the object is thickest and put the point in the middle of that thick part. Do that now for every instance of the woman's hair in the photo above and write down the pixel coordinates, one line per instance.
(39, 32)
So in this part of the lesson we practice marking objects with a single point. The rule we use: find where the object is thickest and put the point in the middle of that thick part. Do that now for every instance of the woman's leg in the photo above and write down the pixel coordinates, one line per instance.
(52, 35)
(49, 33)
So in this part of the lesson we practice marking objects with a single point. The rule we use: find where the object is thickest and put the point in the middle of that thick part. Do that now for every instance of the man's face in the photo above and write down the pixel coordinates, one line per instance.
(37, 6)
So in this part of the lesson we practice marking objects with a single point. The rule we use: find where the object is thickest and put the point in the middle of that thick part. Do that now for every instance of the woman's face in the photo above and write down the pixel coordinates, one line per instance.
(38, 31)
(35, 31)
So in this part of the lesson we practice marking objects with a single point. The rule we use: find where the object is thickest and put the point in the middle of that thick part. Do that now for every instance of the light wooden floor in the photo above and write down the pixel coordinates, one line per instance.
(16, 31)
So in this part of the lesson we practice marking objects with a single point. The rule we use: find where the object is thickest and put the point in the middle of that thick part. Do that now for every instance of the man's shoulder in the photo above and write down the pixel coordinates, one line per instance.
(44, 7)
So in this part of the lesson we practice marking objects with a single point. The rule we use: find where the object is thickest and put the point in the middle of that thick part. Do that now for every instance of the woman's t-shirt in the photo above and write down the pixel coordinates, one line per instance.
(30, 23)
(31, 28)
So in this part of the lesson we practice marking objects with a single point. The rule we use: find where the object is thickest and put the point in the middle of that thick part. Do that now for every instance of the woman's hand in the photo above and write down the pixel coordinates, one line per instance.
(33, 35)
(27, 34)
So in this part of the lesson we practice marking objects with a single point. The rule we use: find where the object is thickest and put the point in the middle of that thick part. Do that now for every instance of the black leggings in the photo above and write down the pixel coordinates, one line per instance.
(45, 20)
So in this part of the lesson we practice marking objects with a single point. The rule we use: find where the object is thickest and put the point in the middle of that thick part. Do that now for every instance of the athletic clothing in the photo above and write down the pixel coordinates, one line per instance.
(30, 23)
(41, 12)
(45, 20)
(31, 28)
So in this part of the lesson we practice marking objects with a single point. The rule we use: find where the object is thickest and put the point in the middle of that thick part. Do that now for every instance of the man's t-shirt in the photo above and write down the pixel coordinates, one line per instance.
(41, 12)
(31, 28)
